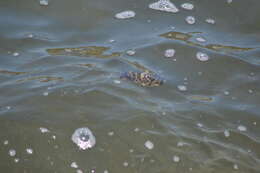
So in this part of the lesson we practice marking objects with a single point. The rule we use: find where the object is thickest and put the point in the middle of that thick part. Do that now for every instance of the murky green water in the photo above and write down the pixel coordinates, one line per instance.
(60, 69)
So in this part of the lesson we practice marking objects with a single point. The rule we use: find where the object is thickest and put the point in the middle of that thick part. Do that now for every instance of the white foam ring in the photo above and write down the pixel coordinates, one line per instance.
(84, 138)
(164, 5)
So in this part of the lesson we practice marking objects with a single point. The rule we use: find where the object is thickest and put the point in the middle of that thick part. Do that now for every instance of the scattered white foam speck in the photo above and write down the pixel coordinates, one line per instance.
(176, 158)
(199, 125)
(125, 14)
(180, 144)
(226, 133)
(12, 152)
(111, 133)
(84, 138)
(149, 145)
(29, 151)
(16, 160)
(16, 54)
(229, 1)
(117, 81)
(250, 91)
(106, 171)
(125, 164)
(44, 2)
(136, 129)
(190, 20)
(200, 39)
(187, 6)
(202, 56)
(45, 94)
(30, 36)
(164, 5)
(130, 52)
(169, 53)
(226, 92)
(210, 21)
(241, 128)
(79, 171)
(235, 166)
(6, 142)
(182, 87)
(44, 130)
(8, 107)
(74, 165)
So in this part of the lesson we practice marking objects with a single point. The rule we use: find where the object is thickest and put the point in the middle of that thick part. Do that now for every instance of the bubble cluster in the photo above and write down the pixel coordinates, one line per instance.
(190, 20)
(164, 5)
(125, 14)
(84, 138)
(202, 56)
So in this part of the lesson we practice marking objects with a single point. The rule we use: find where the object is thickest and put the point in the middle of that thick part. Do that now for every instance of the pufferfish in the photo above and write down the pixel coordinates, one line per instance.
(145, 79)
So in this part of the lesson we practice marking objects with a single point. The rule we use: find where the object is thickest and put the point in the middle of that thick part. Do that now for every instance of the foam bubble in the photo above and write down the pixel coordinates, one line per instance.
(164, 5)
(125, 14)
(169, 53)
(117, 81)
(202, 56)
(190, 20)
(149, 145)
(187, 6)
(45, 94)
(84, 138)
(12, 152)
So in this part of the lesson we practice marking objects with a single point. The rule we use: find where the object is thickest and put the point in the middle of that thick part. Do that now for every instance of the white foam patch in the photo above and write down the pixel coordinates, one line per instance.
(164, 5)
(125, 14)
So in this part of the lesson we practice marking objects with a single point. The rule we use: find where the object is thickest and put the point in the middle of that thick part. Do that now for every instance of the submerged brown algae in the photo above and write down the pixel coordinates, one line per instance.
(86, 51)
